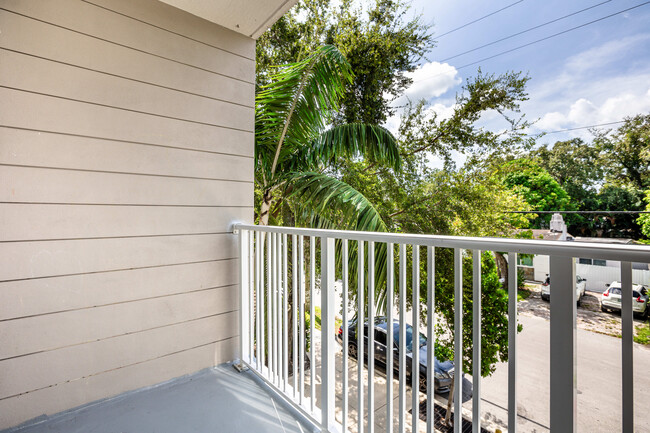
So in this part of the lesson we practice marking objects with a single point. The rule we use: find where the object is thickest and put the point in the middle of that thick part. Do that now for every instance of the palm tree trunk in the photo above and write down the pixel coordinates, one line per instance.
(265, 209)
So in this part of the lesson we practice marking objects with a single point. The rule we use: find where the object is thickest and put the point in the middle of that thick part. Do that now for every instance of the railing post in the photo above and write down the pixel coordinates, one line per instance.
(328, 344)
(563, 344)
(627, 356)
(244, 288)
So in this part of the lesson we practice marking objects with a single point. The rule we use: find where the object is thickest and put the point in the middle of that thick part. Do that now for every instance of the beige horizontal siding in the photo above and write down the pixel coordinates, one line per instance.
(23, 72)
(79, 361)
(23, 260)
(36, 222)
(53, 331)
(44, 185)
(42, 149)
(33, 297)
(126, 153)
(148, 372)
(183, 23)
(33, 111)
(43, 40)
(106, 25)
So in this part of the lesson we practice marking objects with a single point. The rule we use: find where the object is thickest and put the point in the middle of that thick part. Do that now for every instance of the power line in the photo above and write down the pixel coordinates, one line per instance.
(538, 40)
(526, 31)
(479, 19)
(577, 128)
(553, 35)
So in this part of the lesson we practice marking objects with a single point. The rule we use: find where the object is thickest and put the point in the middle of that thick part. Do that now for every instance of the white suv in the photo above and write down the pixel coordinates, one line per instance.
(611, 299)
(581, 284)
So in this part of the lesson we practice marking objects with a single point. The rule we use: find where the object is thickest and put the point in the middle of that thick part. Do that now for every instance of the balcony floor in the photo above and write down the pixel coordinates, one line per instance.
(215, 400)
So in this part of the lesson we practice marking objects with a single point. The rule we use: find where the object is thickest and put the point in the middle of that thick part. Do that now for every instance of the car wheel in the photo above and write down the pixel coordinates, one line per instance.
(603, 309)
(352, 350)
(579, 300)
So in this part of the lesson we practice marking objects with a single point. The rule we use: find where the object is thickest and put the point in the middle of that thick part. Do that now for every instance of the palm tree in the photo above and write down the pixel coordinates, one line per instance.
(296, 145)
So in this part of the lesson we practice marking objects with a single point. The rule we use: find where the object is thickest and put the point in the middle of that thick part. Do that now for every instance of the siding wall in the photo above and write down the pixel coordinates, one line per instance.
(126, 144)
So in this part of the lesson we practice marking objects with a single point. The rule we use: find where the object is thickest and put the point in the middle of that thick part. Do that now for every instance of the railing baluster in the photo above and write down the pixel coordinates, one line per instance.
(563, 345)
(295, 317)
(458, 340)
(476, 342)
(344, 335)
(371, 337)
(627, 357)
(269, 307)
(276, 348)
(259, 305)
(251, 296)
(390, 290)
(512, 342)
(301, 302)
(285, 315)
(243, 294)
(328, 345)
(415, 342)
(360, 342)
(431, 315)
(312, 319)
(402, 338)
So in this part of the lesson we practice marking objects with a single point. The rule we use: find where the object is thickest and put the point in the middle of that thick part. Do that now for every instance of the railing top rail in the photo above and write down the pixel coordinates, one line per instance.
(630, 253)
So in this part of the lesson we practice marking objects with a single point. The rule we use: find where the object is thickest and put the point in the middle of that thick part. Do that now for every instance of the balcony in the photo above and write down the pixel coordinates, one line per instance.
(302, 267)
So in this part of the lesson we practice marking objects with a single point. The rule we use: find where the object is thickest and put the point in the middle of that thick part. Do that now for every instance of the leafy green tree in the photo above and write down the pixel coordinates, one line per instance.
(535, 185)
(380, 42)
(577, 167)
(617, 198)
(494, 306)
(626, 152)
(644, 219)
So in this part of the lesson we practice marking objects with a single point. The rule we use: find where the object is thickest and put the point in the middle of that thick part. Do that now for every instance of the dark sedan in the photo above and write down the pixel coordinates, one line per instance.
(443, 371)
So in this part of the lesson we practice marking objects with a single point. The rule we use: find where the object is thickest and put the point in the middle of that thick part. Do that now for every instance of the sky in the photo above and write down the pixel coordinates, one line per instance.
(596, 74)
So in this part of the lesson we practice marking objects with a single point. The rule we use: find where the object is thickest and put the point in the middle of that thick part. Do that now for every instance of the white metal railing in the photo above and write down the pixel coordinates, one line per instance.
(265, 325)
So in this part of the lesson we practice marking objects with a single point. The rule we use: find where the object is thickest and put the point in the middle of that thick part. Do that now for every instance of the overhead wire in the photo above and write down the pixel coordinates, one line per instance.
(577, 128)
(538, 40)
(526, 31)
(479, 19)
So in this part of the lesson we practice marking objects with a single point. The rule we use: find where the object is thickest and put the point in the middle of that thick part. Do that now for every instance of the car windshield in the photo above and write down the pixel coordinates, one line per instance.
(409, 337)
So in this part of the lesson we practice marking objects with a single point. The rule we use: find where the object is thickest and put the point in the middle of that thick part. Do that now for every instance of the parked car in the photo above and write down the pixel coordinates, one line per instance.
(581, 284)
(443, 370)
(611, 299)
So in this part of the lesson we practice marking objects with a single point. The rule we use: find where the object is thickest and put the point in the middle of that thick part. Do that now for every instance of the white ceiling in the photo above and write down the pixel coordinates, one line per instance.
(248, 17)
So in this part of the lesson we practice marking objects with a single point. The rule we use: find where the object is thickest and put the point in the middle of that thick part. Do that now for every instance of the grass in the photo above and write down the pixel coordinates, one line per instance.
(643, 333)
(523, 294)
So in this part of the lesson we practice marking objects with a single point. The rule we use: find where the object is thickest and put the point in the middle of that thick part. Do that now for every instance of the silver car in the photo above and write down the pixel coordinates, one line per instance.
(611, 299)
(581, 284)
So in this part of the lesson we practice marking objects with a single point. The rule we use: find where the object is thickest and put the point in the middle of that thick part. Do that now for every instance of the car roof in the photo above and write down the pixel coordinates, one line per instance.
(617, 285)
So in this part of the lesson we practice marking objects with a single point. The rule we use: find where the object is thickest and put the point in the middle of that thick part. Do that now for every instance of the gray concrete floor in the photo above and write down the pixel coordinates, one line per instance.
(214, 400)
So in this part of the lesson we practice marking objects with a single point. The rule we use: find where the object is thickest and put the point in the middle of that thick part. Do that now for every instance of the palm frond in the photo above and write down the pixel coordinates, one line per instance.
(328, 203)
(374, 143)
(299, 102)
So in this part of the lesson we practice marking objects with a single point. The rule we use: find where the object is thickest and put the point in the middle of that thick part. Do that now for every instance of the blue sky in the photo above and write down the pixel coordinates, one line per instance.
(596, 74)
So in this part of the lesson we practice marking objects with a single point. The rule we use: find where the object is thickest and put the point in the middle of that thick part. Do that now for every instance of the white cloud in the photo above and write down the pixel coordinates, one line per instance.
(430, 80)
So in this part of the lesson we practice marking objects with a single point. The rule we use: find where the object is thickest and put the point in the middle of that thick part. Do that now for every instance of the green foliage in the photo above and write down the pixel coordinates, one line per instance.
(644, 219)
(642, 334)
(535, 185)
(381, 43)
(614, 197)
(626, 152)
(293, 145)
(494, 303)
(576, 166)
